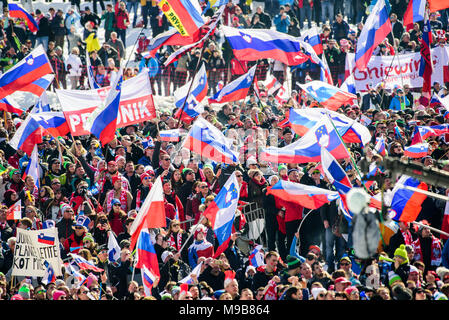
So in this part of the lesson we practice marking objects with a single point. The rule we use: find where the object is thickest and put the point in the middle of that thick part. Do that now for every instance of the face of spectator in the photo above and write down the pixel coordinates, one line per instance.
(272, 262)
(345, 265)
(233, 287)
(112, 168)
(306, 270)
(167, 188)
(203, 188)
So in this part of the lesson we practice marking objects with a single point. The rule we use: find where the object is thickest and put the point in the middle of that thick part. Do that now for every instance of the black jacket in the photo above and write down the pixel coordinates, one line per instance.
(261, 278)
(44, 28)
(216, 282)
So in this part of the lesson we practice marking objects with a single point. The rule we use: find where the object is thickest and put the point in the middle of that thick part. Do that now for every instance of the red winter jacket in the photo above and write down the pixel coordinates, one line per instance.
(120, 17)
(293, 211)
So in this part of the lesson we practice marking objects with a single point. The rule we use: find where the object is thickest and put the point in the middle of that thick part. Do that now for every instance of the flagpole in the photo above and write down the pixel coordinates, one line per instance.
(349, 153)
(192, 232)
(191, 82)
(431, 228)
(300, 225)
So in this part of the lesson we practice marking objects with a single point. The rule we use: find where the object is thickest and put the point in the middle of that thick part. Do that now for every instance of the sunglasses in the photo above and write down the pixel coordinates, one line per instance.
(41, 291)
(315, 172)
(94, 289)
(167, 159)
(176, 225)
(239, 176)
(344, 264)
(79, 228)
(203, 187)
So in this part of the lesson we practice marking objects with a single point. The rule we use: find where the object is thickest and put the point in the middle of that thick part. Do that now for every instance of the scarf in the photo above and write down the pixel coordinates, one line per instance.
(271, 293)
(175, 244)
(407, 237)
(435, 254)
(123, 200)
(262, 181)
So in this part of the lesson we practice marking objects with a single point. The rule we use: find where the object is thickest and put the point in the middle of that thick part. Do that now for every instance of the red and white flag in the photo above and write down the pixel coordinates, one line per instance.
(282, 95)
(272, 84)
(15, 211)
(271, 291)
(151, 214)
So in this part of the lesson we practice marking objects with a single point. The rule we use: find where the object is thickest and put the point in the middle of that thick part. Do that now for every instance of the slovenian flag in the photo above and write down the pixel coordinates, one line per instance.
(31, 68)
(208, 141)
(8, 104)
(414, 13)
(189, 107)
(329, 96)
(45, 239)
(27, 136)
(312, 37)
(102, 122)
(184, 15)
(221, 212)
(235, 90)
(16, 11)
(376, 28)
(255, 44)
(171, 135)
(310, 197)
(148, 279)
(39, 86)
(49, 276)
(257, 257)
(84, 264)
(302, 120)
(33, 168)
(426, 62)
(380, 148)
(416, 151)
(146, 254)
(308, 147)
(54, 123)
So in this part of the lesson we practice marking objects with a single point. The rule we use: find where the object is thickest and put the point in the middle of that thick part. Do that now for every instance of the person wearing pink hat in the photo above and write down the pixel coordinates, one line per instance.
(353, 293)
(59, 295)
(118, 192)
(142, 190)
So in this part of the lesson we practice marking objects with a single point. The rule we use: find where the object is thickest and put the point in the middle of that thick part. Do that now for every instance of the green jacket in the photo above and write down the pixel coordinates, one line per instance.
(109, 20)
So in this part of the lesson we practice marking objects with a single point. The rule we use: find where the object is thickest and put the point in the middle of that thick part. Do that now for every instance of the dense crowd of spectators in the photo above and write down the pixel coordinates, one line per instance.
(109, 183)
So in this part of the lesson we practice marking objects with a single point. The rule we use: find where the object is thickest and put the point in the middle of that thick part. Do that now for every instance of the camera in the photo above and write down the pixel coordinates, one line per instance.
(83, 190)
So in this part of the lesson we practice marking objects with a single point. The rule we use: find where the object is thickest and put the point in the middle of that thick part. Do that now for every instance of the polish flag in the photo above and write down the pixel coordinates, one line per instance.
(151, 214)
(15, 211)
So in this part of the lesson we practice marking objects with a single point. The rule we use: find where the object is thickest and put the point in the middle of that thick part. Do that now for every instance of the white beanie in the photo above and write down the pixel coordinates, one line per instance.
(316, 292)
